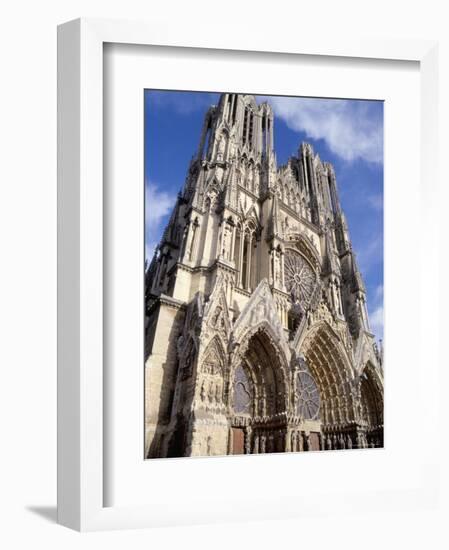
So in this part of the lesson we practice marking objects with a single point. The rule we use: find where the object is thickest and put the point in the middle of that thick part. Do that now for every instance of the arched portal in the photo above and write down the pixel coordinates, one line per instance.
(259, 397)
(371, 406)
(330, 368)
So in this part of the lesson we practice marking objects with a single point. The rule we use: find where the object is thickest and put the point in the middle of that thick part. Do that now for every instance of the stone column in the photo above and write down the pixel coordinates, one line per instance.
(188, 241)
(281, 260)
(332, 293)
(255, 265)
(234, 231)
(156, 277)
(256, 444)
(249, 262)
(270, 124)
(322, 442)
(240, 266)
(220, 237)
(306, 442)
(185, 235)
(248, 432)
(277, 269)
(192, 241)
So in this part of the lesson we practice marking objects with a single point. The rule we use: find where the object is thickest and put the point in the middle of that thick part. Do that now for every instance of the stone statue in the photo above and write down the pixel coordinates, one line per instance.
(221, 148)
(226, 242)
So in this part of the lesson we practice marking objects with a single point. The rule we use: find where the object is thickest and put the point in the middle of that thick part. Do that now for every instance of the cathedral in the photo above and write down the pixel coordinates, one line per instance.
(257, 337)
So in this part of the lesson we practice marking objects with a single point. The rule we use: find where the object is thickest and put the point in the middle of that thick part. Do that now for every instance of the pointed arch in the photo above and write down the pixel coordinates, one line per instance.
(250, 101)
(211, 195)
(213, 373)
(371, 397)
(301, 241)
(260, 310)
(247, 231)
(265, 365)
(250, 175)
(331, 368)
(252, 216)
(214, 354)
(216, 312)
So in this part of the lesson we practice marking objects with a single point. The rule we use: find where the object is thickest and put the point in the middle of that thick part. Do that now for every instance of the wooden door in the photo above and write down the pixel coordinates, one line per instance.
(238, 441)
(314, 441)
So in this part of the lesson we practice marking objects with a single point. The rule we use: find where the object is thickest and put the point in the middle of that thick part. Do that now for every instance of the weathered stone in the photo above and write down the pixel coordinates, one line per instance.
(257, 337)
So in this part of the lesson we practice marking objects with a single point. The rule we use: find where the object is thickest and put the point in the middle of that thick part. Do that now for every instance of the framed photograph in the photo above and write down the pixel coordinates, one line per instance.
(231, 240)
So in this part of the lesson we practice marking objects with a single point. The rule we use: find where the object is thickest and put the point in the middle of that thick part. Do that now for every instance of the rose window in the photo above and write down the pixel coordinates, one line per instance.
(308, 397)
(300, 279)
(242, 392)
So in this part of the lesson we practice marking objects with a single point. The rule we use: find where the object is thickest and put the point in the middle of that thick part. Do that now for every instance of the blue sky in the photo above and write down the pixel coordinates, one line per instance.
(347, 133)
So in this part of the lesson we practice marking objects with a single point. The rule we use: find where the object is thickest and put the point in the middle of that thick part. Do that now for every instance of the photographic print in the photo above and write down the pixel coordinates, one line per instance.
(263, 274)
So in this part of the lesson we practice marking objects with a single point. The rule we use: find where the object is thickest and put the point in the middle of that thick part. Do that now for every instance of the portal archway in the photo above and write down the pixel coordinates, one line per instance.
(259, 396)
(329, 366)
(371, 406)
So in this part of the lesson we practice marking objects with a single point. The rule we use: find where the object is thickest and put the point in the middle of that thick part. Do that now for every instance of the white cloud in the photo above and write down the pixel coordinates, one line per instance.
(376, 317)
(379, 293)
(370, 255)
(352, 129)
(158, 206)
(377, 321)
(376, 202)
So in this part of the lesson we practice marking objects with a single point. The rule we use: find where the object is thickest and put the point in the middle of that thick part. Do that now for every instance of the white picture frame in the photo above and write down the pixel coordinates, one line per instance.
(81, 406)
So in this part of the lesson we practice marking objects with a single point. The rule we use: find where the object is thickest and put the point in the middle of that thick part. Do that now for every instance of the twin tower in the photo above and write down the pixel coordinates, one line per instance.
(257, 330)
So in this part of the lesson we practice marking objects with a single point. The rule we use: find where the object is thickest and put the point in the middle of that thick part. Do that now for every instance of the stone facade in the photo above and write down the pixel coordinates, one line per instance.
(257, 331)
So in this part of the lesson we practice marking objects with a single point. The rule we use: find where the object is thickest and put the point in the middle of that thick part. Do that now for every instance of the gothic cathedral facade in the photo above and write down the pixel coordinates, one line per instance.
(257, 331)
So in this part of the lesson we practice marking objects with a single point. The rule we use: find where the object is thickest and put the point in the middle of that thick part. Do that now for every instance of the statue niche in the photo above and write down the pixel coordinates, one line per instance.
(212, 375)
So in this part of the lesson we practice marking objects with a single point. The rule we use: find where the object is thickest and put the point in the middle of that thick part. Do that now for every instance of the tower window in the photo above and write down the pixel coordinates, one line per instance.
(251, 123)
(245, 124)
(234, 110)
(237, 249)
(264, 134)
(244, 262)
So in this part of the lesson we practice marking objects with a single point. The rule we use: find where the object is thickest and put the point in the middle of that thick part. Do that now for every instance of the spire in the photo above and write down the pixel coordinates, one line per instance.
(357, 281)
(342, 233)
(336, 207)
(274, 228)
